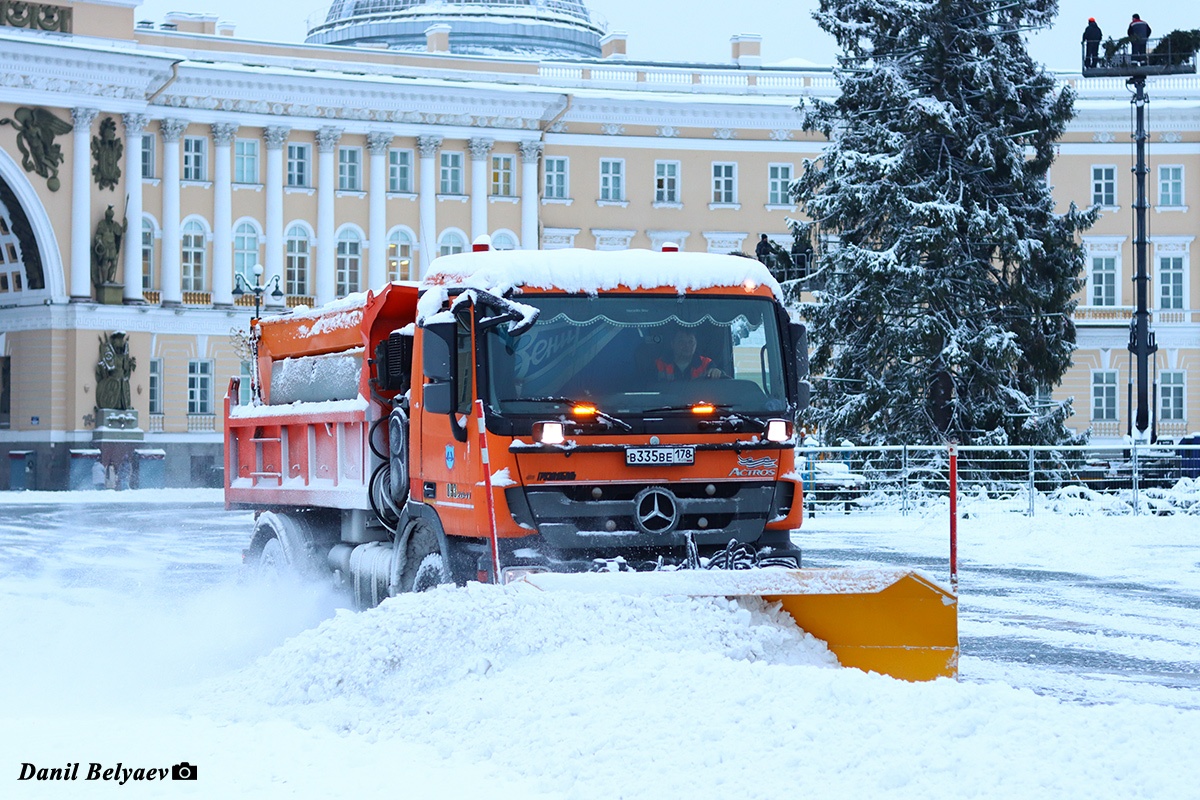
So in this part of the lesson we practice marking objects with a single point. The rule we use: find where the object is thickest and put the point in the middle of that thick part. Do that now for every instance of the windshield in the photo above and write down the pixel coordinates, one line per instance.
(631, 355)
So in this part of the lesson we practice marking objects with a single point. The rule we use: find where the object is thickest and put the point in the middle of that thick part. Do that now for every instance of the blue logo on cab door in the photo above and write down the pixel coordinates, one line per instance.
(449, 456)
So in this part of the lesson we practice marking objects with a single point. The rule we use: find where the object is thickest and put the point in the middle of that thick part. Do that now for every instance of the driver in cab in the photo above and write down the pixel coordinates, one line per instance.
(684, 363)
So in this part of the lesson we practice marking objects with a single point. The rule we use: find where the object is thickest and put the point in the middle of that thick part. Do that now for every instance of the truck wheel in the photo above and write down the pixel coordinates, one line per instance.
(431, 573)
(424, 567)
(282, 546)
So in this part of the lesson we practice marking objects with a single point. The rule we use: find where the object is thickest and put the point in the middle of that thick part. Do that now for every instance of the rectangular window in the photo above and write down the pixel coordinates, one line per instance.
(724, 183)
(350, 169)
(297, 165)
(452, 173)
(1104, 281)
(666, 181)
(1170, 185)
(1170, 390)
(245, 161)
(147, 255)
(200, 374)
(5, 390)
(556, 178)
(502, 176)
(1170, 283)
(1104, 395)
(612, 179)
(1104, 185)
(195, 152)
(400, 171)
(156, 386)
(148, 140)
(779, 181)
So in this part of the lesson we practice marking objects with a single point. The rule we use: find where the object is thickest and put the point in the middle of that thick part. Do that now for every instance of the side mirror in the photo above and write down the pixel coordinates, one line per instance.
(440, 361)
(799, 333)
(440, 352)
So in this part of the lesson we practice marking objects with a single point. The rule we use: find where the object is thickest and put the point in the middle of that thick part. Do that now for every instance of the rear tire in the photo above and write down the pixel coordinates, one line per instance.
(283, 546)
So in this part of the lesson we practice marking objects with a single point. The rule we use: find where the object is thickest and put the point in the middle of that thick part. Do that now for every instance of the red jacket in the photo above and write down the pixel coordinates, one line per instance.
(667, 368)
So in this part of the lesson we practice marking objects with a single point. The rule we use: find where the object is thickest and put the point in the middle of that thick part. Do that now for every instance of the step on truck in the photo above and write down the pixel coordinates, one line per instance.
(590, 420)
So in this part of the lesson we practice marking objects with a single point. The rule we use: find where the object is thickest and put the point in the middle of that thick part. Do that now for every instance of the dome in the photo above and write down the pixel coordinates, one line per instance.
(541, 28)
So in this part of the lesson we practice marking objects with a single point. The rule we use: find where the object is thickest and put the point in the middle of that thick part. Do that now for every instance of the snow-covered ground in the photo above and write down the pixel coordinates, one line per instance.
(129, 638)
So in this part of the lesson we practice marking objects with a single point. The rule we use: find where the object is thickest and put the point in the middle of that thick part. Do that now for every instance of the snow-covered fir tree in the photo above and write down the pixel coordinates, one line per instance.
(948, 275)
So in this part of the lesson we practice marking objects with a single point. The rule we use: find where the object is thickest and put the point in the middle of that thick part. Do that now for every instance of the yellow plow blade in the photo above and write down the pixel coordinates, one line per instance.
(895, 622)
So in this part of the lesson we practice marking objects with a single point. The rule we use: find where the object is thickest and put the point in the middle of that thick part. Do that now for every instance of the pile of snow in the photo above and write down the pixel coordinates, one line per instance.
(600, 696)
(364, 670)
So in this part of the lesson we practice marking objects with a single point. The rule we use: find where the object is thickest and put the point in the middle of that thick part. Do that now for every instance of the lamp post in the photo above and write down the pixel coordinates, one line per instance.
(241, 286)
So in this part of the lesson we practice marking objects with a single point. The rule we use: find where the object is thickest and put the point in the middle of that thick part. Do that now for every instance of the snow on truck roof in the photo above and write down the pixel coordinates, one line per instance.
(589, 271)
(568, 270)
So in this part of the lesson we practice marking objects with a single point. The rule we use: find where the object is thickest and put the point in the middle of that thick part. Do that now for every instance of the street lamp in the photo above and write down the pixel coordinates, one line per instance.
(241, 286)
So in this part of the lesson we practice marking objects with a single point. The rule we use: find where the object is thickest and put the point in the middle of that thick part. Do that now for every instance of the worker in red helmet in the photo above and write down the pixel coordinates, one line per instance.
(1091, 42)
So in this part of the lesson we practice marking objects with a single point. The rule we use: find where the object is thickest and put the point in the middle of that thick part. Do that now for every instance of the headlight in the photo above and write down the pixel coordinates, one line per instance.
(778, 430)
(548, 433)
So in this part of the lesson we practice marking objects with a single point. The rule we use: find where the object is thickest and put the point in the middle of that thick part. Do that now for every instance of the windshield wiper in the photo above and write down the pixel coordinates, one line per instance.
(566, 401)
(725, 409)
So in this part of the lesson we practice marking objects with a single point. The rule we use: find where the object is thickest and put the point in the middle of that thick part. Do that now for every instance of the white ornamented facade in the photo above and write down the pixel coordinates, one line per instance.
(338, 168)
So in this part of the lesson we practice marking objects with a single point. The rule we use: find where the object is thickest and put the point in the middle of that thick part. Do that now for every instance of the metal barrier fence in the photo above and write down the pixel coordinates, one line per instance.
(902, 479)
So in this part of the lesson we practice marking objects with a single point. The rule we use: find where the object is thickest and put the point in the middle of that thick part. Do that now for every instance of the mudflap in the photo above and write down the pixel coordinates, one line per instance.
(892, 621)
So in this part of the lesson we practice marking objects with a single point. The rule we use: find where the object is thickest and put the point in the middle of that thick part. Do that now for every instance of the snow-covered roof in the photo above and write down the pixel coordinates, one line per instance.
(592, 271)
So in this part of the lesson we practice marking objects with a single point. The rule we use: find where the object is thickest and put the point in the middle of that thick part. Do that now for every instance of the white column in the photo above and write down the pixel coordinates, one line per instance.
(530, 153)
(326, 279)
(378, 143)
(134, 125)
(222, 281)
(427, 147)
(80, 280)
(480, 150)
(275, 137)
(172, 275)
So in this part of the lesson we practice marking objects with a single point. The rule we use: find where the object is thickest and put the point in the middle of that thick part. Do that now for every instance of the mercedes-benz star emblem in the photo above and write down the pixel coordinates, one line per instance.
(656, 510)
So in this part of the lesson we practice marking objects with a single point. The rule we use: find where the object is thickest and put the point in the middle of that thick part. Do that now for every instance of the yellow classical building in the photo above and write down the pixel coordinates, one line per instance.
(400, 131)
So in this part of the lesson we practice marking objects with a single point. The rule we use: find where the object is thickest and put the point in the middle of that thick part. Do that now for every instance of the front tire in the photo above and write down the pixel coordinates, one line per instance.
(424, 563)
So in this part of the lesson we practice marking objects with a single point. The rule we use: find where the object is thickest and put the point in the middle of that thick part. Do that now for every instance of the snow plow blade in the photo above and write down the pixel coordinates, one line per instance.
(895, 622)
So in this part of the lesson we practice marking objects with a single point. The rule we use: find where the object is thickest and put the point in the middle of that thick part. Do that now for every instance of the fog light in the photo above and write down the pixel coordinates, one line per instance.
(510, 574)
(548, 433)
(777, 430)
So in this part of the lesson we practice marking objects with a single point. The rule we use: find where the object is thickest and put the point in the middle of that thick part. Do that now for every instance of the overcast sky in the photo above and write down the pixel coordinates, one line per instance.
(699, 30)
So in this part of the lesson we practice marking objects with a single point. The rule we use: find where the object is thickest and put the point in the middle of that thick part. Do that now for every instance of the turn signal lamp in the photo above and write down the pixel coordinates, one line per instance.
(584, 410)
(777, 430)
(703, 408)
(548, 433)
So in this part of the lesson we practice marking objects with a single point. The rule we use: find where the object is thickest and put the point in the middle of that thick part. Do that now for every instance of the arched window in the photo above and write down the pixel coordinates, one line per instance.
(400, 266)
(503, 240)
(193, 256)
(245, 251)
(147, 255)
(349, 256)
(451, 243)
(297, 261)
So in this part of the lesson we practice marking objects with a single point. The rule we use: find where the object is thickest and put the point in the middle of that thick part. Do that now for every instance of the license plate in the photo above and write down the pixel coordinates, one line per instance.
(659, 456)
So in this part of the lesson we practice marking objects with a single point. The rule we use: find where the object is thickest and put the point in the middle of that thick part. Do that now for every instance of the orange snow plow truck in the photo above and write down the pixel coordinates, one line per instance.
(596, 421)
